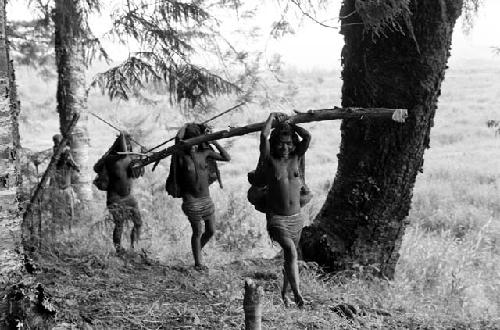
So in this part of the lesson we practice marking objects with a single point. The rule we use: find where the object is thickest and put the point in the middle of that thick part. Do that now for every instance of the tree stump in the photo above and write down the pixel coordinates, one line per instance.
(252, 305)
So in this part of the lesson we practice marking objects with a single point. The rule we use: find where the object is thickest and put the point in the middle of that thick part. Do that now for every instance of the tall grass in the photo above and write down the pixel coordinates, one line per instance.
(450, 255)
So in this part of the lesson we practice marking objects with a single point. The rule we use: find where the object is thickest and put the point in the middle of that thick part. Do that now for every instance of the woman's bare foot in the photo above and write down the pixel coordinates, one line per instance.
(201, 268)
(286, 300)
(299, 301)
(120, 251)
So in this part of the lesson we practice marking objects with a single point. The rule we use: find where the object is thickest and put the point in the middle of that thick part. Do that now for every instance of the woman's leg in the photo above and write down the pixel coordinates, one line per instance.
(196, 241)
(291, 268)
(209, 229)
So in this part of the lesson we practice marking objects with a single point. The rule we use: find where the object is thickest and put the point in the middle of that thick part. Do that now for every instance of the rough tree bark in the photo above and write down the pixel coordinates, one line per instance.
(11, 261)
(24, 303)
(364, 216)
(71, 88)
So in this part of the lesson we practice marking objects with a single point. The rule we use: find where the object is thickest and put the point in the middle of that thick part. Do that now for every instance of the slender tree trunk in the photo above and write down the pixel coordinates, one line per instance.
(11, 229)
(71, 90)
(363, 219)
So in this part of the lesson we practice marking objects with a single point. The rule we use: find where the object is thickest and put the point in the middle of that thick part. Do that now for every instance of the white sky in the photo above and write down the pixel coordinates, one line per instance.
(313, 46)
(483, 36)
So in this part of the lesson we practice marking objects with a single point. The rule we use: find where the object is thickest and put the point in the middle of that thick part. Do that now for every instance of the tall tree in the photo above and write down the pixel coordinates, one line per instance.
(395, 56)
(11, 261)
(166, 32)
(70, 47)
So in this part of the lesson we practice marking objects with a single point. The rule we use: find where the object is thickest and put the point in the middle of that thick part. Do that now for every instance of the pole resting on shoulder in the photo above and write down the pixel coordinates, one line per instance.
(132, 153)
(307, 117)
(204, 122)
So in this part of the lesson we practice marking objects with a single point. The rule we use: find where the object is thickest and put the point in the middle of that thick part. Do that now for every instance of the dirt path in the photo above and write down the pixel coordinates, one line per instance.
(134, 292)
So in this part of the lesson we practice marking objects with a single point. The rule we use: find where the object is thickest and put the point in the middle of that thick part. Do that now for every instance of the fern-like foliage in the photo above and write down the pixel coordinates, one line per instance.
(158, 24)
(168, 34)
(470, 8)
(121, 80)
(182, 82)
(32, 42)
(193, 83)
(281, 28)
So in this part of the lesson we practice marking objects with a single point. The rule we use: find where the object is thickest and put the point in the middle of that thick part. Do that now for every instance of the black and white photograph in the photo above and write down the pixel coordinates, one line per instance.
(249, 164)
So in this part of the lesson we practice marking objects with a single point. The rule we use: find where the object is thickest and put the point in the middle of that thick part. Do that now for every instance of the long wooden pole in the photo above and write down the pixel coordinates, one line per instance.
(305, 117)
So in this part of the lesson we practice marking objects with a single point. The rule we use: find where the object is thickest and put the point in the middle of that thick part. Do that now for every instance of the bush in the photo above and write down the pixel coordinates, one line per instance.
(237, 229)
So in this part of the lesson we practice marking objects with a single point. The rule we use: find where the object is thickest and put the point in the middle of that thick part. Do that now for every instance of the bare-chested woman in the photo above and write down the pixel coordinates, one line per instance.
(194, 176)
(280, 152)
(119, 200)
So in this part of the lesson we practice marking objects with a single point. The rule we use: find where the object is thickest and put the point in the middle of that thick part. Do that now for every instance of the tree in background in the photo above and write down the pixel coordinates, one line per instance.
(59, 39)
(395, 56)
(176, 48)
(32, 44)
(11, 226)
(72, 36)
(167, 34)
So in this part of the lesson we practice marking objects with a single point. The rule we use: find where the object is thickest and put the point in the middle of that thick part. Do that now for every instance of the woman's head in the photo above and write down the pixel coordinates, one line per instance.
(57, 138)
(193, 130)
(122, 143)
(283, 140)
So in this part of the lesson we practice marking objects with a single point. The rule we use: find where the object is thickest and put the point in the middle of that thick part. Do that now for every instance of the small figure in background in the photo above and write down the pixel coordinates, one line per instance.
(62, 198)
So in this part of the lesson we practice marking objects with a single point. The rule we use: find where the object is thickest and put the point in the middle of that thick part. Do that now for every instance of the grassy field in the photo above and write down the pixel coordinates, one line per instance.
(449, 271)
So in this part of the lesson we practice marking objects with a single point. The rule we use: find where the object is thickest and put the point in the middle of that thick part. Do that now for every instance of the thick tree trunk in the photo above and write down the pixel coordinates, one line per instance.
(71, 91)
(11, 229)
(364, 216)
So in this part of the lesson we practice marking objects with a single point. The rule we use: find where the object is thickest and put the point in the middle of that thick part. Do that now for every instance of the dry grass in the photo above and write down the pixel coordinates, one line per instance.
(102, 291)
(447, 276)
